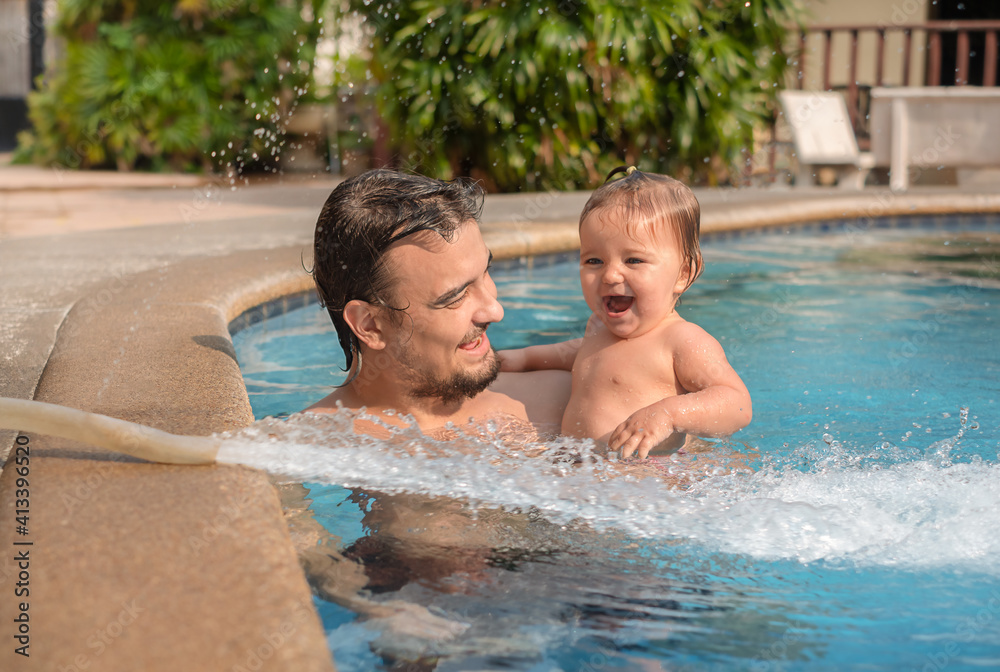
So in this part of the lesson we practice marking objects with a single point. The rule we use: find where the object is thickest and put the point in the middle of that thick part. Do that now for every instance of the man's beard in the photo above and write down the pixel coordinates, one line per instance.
(457, 387)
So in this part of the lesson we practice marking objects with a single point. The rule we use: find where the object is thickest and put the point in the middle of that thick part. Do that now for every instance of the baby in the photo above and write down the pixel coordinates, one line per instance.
(643, 376)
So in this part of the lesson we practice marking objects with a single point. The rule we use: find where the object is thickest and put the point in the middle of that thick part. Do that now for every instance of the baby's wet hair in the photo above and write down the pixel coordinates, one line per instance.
(653, 202)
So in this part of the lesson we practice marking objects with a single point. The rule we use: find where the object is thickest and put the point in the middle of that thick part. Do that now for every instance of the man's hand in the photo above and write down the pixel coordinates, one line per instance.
(397, 617)
(642, 431)
(339, 580)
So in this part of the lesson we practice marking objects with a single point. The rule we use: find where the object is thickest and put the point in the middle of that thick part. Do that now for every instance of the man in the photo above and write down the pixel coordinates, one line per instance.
(401, 266)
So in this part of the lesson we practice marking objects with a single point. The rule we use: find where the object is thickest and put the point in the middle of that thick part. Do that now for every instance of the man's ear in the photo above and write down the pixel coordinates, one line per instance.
(360, 317)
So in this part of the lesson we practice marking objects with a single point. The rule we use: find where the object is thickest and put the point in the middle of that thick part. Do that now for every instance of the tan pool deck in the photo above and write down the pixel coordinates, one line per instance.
(116, 295)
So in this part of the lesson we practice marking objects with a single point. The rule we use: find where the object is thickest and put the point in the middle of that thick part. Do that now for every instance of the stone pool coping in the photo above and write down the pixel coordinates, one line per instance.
(145, 566)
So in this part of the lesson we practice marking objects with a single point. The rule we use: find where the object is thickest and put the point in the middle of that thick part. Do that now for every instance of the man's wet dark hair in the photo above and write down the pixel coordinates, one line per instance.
(366, 214)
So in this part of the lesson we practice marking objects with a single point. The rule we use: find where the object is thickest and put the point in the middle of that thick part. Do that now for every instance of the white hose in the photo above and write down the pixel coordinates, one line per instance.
(100, 430)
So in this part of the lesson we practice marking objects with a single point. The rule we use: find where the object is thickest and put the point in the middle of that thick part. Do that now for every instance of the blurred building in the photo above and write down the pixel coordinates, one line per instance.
(22, 42)
(854, 45)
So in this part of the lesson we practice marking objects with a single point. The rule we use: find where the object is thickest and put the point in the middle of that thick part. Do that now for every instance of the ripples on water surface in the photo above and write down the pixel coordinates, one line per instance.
(856, 522)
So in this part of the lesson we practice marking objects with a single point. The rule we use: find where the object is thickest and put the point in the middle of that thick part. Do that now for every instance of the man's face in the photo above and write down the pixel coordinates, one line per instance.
(440, 343)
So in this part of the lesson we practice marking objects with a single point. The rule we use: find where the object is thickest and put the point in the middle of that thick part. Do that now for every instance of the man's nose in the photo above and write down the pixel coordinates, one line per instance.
(491, 310)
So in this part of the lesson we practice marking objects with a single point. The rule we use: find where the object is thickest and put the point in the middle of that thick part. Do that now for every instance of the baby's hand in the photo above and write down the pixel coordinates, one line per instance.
(642, 431)
(512, 360)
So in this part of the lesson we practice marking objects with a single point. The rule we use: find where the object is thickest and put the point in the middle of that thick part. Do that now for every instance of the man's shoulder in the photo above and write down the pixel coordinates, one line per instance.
(329, 403)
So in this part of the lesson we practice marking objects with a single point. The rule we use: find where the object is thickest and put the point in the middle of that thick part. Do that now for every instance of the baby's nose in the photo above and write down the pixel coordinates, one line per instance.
(612, 274)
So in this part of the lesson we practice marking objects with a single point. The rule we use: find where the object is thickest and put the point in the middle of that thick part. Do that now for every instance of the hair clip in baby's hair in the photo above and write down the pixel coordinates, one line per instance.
(627, 170)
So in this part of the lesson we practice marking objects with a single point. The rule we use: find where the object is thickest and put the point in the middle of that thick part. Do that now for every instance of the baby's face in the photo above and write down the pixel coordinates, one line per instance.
(630, 282)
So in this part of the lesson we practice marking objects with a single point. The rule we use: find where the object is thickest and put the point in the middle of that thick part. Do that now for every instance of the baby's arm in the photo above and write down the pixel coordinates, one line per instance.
(717, 402)
(537, 357)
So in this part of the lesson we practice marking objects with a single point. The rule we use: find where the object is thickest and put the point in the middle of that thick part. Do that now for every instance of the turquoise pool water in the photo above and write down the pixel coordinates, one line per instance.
(864, 535)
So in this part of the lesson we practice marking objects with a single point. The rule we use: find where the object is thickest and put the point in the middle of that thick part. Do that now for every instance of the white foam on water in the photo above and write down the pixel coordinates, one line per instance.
(910, 514)
(877, 506)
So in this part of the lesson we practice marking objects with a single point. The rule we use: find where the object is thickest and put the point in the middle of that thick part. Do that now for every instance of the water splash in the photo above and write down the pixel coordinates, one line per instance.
(883, 504)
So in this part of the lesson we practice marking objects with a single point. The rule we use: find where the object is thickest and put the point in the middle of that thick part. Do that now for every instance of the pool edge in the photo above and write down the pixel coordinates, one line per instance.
(198, 559)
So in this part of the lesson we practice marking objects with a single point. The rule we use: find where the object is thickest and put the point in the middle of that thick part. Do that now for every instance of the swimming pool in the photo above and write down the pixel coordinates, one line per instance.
(865, 532)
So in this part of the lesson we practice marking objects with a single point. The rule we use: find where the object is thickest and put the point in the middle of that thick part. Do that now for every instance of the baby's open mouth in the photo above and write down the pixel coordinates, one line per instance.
(616, 305)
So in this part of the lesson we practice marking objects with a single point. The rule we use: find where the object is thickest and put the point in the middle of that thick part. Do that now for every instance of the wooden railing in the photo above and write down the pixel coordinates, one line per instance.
(949, 52)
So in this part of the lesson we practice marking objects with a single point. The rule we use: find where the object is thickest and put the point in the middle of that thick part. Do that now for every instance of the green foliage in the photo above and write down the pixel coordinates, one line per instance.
(552, 94)
(165, 84)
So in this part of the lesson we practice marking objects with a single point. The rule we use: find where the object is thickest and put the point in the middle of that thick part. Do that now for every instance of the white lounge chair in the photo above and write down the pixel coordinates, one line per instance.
(821, 129)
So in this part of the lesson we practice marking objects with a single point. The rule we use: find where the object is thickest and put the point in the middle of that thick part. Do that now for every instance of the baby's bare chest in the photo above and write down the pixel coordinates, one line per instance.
(635, 368)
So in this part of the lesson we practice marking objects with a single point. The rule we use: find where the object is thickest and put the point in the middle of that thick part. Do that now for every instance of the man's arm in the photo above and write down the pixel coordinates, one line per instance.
(560, 356)
(716, 403)
(341, 580)
(542, 395)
